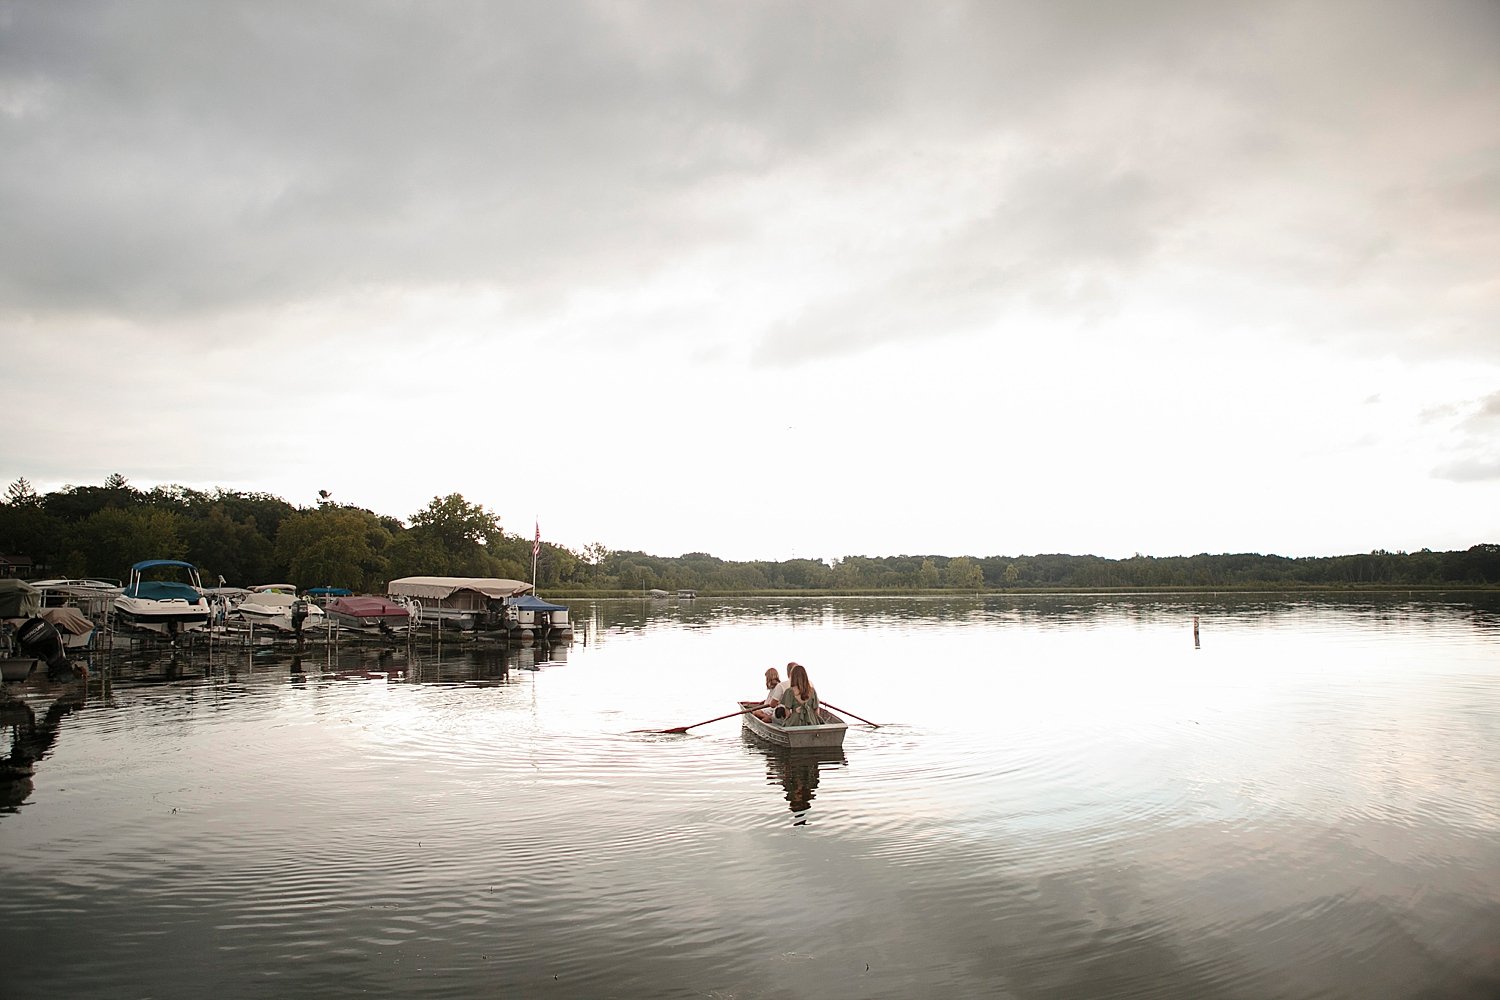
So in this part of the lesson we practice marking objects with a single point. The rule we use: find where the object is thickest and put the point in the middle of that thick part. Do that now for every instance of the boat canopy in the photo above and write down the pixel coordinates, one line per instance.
(19, 599)
(161, 562)
(442, 587)
(330, 591)
(529, 602)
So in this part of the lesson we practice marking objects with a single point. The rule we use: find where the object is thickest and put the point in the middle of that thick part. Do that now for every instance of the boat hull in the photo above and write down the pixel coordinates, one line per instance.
(167, 607)
(278, 615)
(165, 617)
(828, 736)
(16, 668)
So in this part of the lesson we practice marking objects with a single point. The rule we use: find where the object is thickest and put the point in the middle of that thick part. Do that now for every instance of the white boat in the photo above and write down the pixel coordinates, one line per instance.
(827, 735)
(165, 606)
(277, 605)
(529, 615)
(466, 603)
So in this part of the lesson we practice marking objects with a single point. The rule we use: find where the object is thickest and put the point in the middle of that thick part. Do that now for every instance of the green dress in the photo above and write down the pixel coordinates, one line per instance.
(800, 713)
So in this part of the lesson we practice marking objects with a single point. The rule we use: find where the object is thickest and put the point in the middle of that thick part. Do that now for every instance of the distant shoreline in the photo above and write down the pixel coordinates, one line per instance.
(1246, 590)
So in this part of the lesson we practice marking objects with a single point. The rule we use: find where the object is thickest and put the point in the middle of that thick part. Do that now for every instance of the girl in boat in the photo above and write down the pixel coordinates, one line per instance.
(800, 699)
(775, 687)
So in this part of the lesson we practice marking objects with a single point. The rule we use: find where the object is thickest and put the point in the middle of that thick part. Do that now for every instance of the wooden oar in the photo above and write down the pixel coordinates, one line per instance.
(683, 729)
(845, 711)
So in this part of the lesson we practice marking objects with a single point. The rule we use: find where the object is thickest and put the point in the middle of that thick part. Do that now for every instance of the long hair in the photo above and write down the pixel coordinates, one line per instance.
(797, 678)
(772, 678)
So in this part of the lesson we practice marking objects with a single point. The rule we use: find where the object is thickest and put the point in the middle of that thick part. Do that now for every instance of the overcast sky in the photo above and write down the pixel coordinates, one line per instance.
(770, 280)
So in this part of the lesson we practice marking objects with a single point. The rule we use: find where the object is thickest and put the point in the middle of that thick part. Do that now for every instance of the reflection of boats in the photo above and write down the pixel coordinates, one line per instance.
(277, 605)
(31, 740)
(827, 735)
(367, 613)
(164, 606)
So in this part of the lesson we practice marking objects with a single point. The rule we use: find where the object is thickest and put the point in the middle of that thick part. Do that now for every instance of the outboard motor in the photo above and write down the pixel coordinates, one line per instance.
(39, 638)
(299, 615)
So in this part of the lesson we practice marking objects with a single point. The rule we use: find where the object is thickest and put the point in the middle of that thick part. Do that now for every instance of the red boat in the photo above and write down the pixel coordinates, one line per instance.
(368, 614)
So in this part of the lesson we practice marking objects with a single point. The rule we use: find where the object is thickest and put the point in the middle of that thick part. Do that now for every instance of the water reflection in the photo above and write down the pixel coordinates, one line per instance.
(30, 739)
(623, 616)
(1307, 805)
(797, 772)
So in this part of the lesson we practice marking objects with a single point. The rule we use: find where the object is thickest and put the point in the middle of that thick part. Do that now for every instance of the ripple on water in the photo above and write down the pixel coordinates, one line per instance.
(1277, 813)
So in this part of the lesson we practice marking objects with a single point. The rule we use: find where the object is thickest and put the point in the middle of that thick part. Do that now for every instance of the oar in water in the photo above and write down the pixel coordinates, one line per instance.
(845, 711)
(683, 729)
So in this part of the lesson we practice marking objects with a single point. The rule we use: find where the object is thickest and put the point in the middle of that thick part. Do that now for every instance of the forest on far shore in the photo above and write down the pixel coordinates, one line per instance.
(246, 539)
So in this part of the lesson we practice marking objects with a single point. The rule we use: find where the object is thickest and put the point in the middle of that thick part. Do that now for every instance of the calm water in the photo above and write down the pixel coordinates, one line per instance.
(1067, 799)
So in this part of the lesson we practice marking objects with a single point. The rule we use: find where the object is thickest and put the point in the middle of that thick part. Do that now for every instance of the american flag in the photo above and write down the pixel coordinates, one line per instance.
(536, 543)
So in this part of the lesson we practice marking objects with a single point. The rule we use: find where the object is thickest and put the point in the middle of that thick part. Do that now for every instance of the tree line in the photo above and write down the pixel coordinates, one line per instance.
(252, 538)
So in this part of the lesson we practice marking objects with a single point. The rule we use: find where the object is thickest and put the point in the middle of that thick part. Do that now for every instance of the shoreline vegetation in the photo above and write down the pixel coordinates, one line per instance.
(243, 539)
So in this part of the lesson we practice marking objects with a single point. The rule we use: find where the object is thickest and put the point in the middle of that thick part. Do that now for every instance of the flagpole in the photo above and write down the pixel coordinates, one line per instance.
(536, 548)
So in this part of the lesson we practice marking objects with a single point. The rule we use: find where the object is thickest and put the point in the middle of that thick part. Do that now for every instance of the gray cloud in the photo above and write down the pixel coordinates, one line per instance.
(174, 158)
(1476, 441)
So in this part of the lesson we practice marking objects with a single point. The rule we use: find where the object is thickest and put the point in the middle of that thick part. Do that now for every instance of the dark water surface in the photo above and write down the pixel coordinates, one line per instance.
(1069, 800)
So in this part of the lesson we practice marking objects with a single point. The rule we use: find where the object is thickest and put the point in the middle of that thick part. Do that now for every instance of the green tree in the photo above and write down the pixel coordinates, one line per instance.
(457, 523)
(221, 546)
(453, 537)
(963, 574)
(114, 539)
(334, 546)
(20, 494)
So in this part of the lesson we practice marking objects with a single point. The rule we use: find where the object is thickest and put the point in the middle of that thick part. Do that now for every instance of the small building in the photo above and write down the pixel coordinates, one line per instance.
(16, 566)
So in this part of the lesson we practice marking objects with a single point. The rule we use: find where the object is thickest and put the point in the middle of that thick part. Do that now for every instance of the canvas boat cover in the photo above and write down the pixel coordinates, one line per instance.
(441, 587)
(69, 620)
(367, 607)
(19, 599)
(529, 602)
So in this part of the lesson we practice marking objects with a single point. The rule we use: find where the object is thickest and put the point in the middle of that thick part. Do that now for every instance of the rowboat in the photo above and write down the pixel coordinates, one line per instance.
(827, 735)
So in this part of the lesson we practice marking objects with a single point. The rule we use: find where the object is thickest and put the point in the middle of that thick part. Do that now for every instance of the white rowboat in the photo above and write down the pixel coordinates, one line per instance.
(826, 736)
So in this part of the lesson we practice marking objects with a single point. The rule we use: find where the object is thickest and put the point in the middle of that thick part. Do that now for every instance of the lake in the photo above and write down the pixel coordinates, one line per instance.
(1068, 796)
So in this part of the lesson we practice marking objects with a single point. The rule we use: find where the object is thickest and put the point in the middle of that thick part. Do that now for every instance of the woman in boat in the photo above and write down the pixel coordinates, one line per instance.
(775, 687)
(800, 699)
